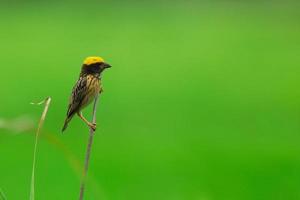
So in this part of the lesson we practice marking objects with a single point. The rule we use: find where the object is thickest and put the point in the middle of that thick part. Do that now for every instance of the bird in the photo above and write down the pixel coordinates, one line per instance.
(86, 88)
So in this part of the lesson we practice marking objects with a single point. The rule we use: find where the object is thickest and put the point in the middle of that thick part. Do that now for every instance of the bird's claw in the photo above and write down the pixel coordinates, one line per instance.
(93, 126)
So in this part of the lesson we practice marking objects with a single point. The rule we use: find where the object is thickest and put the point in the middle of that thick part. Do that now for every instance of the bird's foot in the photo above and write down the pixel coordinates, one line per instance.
(93, 126)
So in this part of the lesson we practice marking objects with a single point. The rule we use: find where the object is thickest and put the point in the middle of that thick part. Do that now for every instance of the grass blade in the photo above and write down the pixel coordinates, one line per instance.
(41, 122)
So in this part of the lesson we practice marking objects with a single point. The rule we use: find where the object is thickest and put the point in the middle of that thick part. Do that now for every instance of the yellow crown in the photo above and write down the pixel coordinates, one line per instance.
(92, 60)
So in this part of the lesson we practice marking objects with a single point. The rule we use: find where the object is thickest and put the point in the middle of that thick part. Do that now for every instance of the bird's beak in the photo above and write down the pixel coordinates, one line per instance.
(107, 65)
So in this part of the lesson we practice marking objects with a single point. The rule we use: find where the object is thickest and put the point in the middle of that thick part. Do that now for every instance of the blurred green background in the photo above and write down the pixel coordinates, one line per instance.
(202, 102)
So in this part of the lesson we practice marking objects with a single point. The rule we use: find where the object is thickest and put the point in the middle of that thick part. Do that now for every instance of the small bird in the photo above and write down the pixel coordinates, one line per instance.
(86, 88)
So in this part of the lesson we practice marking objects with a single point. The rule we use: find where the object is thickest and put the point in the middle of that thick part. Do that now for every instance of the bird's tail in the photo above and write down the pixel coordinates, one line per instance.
(68, 119)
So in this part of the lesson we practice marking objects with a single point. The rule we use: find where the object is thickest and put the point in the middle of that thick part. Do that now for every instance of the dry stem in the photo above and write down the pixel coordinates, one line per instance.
(88, 152)
(41, 122)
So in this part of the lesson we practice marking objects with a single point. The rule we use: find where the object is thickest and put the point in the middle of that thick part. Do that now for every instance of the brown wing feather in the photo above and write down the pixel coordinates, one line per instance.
(78, 93)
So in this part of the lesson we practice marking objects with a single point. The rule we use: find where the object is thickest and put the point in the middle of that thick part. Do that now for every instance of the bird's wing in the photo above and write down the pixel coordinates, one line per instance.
(78, 93)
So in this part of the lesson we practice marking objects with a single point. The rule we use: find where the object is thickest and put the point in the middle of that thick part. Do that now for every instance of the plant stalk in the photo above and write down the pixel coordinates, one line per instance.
(41, 122)
(88, 151)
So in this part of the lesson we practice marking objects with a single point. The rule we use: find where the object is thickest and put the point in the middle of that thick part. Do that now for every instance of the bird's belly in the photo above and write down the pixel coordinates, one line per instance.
(92, 91)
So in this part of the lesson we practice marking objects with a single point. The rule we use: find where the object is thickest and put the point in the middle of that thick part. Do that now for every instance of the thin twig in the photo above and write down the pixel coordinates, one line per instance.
(41, 122)
(88, 151)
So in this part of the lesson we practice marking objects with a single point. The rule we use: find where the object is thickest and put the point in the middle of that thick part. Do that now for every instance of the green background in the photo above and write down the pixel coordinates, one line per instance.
(202, 101)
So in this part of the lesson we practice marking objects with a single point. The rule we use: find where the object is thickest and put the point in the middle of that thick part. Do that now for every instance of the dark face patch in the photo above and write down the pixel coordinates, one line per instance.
(92, 69)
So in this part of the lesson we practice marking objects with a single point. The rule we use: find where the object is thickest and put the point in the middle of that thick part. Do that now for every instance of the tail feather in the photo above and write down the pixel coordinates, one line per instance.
(66, 124)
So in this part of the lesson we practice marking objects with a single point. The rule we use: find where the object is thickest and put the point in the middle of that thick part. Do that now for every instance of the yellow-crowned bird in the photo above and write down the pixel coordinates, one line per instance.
(86, 88)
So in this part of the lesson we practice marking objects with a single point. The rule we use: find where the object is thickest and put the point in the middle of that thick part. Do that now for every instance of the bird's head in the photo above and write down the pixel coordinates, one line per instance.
(94, 65)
